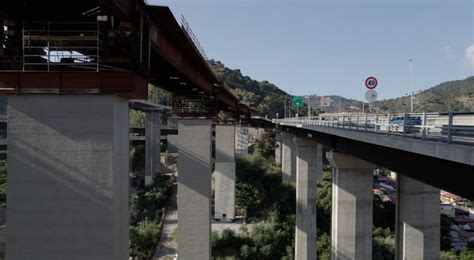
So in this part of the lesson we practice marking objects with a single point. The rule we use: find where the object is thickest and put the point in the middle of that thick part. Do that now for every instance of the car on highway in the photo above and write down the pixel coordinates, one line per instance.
(398, 124)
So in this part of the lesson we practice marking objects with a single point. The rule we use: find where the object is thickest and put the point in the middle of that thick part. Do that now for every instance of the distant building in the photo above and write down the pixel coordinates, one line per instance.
(469, 227)
(393, 176)
(449, 198)
(448, 209)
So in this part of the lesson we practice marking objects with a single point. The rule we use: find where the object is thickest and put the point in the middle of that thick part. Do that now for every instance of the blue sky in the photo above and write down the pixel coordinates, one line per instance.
(330, 47)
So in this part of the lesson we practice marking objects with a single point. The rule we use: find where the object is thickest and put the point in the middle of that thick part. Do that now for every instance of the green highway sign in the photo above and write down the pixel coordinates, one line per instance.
(298, 101)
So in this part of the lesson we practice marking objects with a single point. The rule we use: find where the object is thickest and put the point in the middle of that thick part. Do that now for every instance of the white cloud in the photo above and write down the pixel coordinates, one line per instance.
(470, 54)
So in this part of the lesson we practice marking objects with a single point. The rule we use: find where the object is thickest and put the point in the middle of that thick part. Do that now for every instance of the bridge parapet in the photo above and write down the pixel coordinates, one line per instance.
(445, 127)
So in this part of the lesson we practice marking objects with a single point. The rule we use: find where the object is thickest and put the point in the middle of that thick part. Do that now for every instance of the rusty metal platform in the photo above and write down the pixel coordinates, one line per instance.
(129, 85)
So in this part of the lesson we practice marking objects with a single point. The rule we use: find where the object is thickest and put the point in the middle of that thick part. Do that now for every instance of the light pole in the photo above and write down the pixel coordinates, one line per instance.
(309, 107)
(411, 85)
(339, 103)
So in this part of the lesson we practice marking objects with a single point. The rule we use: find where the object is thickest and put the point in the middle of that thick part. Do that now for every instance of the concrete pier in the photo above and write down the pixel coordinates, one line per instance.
(172, 143)
(194, 189)
(224, 174)
(68, 161)
(309, 170)
(418, 220)
(352, 195)
(152, 145)
(278, 149)
(288, 158)
(241, 141)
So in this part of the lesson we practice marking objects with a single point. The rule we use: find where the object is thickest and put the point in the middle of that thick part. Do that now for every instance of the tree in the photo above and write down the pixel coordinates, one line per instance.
(383, 213)
(383, 246)
(446, 222)
(259, 188)
(323, 203)
(143, 239)
(3, 186)
(323, 245)
(467, 254)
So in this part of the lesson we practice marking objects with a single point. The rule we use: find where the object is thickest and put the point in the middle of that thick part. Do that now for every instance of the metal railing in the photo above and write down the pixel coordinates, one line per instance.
(50, 46)
(193, 38)
(196, 105)
(446, 127)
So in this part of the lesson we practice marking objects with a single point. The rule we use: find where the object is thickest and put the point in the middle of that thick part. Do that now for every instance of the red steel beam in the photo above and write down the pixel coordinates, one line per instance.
(126, 84)
(122, 8)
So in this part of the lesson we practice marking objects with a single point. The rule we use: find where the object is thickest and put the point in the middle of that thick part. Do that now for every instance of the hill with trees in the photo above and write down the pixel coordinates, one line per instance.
(269, 99)
(263, 95)
(455, 95)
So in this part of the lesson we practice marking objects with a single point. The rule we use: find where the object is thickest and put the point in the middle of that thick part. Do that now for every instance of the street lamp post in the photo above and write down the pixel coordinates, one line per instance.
(309, 107)
(411, 85)
(339, 103)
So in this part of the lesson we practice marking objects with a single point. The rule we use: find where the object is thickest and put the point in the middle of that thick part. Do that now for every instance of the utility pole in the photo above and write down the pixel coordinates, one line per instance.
(339, 103)
(411, 84)
(309, 106)
(321, 105)
(288, 109)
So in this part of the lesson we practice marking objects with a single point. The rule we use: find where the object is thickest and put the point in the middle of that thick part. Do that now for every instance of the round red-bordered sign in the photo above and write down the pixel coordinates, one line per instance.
(371, 82)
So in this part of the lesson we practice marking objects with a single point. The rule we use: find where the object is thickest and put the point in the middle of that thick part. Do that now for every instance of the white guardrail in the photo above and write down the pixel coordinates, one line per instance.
(446, 127)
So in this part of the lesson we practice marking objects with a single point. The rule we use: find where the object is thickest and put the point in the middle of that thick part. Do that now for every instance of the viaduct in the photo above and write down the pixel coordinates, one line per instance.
(69, 69)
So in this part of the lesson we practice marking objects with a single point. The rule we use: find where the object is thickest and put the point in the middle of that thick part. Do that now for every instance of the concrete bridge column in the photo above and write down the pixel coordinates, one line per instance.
(242, 141)
(194, 189)
(309, 170)
(224, 173)
(351, 234)
(278, 148)
(288, 158)
(152, 145)
(418, 220)
(68, 162)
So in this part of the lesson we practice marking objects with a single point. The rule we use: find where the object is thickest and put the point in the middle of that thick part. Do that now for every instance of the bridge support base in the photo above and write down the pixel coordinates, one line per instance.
(288, 158)
(418, 220)
(194, 189)
(309, 171)
(225, 172)
(152, 146)
(68, 158)
(351, 234)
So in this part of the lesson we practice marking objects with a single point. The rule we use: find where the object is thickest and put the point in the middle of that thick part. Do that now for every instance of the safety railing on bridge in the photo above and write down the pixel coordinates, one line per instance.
(51, 46)
(446, 127)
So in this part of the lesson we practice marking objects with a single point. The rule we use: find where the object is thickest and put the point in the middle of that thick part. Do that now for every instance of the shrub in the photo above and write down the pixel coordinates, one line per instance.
(143, 239)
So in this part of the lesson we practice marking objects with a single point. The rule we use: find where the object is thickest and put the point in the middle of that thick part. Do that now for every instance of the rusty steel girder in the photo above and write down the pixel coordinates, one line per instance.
(129, 85)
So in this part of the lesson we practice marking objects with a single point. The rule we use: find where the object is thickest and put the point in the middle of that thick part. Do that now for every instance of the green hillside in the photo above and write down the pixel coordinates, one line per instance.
(263, 95)
(456, 95)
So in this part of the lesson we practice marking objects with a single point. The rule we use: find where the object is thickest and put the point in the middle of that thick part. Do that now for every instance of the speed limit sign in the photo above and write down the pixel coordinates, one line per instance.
(371, 82)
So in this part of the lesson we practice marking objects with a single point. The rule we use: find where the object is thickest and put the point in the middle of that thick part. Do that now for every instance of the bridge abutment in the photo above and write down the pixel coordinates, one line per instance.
(224, 173)
(68, 161)
(417, 220)
(194, 188)
(352, 196)
(152, 145)
(309, 172)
